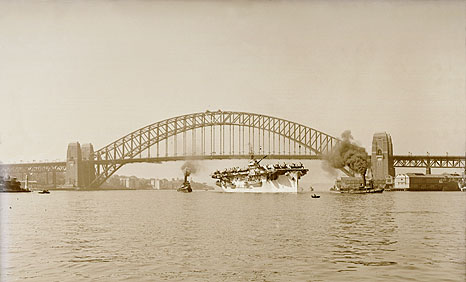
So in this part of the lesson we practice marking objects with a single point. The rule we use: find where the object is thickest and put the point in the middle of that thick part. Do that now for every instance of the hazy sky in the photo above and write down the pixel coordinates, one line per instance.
(92, 71)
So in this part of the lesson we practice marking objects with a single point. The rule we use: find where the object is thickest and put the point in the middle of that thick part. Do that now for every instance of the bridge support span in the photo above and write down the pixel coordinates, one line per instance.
(382, 156)
(80, 171)
(429, 162)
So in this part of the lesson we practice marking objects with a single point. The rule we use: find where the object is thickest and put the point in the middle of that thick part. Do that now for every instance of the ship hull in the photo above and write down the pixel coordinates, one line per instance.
(184, 190)
(283, 184)
(362, 191)
(12, 187)
(15, 191)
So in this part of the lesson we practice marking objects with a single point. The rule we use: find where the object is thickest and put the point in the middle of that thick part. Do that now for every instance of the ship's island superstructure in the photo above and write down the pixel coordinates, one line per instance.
(276, 178)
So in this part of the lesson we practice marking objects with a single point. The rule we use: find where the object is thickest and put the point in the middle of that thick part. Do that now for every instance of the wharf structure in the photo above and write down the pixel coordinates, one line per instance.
(427, 182)
(382, 171)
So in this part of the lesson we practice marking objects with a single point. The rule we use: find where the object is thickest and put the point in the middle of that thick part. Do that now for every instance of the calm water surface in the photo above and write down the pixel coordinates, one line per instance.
(209, 236)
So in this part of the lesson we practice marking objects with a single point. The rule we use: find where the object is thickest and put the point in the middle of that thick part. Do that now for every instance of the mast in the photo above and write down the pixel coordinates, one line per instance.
(262, 158)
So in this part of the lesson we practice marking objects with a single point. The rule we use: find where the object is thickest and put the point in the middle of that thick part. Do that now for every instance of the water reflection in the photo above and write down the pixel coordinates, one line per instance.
(363, 230)
(160, 235)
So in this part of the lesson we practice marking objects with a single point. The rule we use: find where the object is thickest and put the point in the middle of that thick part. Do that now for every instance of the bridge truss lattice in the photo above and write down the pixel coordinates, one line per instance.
(212, 135)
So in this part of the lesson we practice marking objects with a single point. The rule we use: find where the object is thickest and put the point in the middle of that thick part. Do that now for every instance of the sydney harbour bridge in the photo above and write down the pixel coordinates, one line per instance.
(213, 135)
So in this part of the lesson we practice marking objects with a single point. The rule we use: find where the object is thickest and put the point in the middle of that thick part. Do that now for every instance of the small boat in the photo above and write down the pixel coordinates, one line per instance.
(44, 192)
(315, 196)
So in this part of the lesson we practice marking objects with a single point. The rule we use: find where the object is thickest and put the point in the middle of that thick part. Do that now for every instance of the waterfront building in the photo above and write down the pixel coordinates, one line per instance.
(429, 182)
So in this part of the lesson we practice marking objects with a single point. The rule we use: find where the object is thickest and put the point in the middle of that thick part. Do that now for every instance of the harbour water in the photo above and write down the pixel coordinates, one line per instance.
(208, 236)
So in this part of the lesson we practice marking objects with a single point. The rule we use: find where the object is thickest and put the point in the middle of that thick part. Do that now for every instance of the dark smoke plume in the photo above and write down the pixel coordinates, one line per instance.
(329, 169)
(348, 154)
(190, 167)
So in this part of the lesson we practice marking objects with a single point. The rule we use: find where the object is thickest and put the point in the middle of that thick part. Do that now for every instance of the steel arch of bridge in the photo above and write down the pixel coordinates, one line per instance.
(263, 135)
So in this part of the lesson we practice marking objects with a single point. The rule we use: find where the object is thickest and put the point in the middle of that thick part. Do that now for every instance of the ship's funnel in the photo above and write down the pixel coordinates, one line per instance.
(187, 172)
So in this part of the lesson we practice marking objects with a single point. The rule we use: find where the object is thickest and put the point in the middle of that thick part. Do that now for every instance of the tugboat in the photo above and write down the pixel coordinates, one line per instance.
(368, 189)
(353, 185)
(315, 196)
(44, 192)
(186, 186)
(11, 185)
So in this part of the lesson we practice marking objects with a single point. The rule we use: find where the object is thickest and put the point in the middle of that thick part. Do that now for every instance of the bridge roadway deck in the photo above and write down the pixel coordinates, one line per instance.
(429, 161)
(210, 157)
(35, 167)
(398, 161)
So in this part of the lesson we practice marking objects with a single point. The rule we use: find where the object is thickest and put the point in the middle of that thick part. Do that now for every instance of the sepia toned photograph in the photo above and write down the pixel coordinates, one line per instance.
(233, 140)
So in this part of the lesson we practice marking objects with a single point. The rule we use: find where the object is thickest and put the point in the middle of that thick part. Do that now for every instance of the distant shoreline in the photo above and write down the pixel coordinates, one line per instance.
(108, 189)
